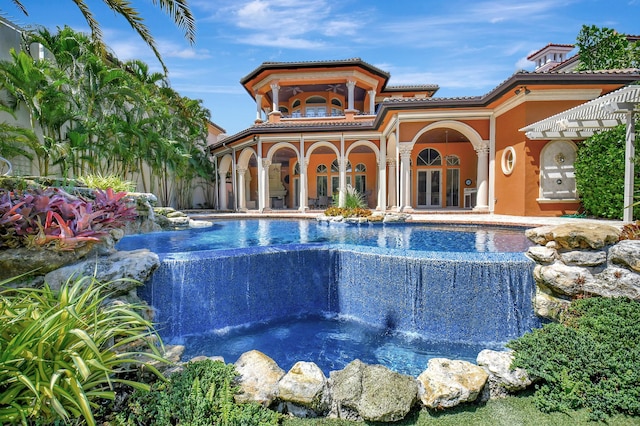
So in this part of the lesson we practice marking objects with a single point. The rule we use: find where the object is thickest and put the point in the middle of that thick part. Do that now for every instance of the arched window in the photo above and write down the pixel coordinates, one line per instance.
(316, 106)
(429, 157)
(336, 107)
(321, 181)
(296, 108)
(361, 178)
(453, 160)
(284, 110)
(335, 168)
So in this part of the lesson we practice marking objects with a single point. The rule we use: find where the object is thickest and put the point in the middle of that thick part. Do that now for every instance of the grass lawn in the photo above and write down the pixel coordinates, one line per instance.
(513, 411)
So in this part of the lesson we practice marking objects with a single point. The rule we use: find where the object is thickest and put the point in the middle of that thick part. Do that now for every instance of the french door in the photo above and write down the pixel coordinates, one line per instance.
(429, 191)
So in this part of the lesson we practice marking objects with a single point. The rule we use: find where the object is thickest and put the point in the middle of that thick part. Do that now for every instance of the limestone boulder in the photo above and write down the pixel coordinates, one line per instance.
(14, 262)
(122, 270)
(547, 305)
(615, 282)
(575, 235)
(563, 279)
(627, 254)
(373, 392)
(447, 383)
(303, 390)
(542, 254)
(584, 257)
(258, 378)
(503, 380)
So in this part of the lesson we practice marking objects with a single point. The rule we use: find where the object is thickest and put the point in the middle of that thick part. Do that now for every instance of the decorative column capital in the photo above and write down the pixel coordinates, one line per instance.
(405, 151)
(275, 85)
(266, 162)
(391, 162)
(483, 148)
(241, 171)
(351, 84)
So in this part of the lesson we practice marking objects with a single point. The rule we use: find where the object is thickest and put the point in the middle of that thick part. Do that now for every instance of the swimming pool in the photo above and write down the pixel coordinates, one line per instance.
(230, 234)
(392, 294)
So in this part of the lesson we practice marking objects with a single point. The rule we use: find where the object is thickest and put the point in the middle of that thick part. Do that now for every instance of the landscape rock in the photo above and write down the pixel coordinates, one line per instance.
(503, 380)
(626, 253)
(18, 261)
(542, 254)
(122, 270)
(584, 257)
(259, 377)
(575, 235)
(563, 279)
(303, 390)
(546, 305)
(373, 392)
(447, 383)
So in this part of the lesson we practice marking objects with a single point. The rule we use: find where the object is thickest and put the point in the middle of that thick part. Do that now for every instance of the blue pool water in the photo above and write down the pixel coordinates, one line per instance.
(391, 294)
(267, 232)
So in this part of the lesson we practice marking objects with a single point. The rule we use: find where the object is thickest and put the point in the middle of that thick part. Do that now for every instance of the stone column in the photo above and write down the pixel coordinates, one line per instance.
(351, 85)
(223, 190)
(264, 180)
(372, 101)
(391, 163)
(381, 202)
(258, 108)
(242, 197)
(405, 177)
(303, 185)
(342, 194)
(275, 95)
(482, 179)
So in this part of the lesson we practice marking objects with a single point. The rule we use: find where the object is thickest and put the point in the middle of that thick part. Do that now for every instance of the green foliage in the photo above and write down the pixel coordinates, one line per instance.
(605, 49)
(62, 351)
(589, 360)
(599, 169)
(51, 218)
(200, 395)
(98, 181)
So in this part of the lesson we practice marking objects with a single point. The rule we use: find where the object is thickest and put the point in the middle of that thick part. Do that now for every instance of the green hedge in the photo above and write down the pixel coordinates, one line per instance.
(599, 169)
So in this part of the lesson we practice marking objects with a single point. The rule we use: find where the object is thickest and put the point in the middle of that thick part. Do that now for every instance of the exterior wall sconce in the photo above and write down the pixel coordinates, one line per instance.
(522, 89)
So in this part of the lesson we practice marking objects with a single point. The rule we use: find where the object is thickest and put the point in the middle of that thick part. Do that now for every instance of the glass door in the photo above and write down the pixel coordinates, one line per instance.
(429, 188)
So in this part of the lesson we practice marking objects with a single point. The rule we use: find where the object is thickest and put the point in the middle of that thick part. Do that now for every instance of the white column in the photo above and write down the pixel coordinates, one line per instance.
(342, 195)
(242, 200)
(265, 184)
(303, 178)
(382, 176)
(482, 178)
(261, 201)
(258, 108)
(351, 85)
(629, 158)
(391, 162)
(222, 175)
(405, 177)
(275, 96)
(372, 101)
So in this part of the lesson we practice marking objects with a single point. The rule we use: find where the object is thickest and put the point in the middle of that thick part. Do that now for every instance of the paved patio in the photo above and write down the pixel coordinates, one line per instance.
(452, 216)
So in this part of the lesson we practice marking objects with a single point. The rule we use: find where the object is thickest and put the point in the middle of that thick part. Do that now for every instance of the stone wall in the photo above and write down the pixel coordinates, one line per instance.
(581, 260)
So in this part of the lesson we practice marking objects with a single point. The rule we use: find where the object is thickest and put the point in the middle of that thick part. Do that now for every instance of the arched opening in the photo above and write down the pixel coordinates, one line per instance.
(316, 106)
(284, 190)
(247, 170)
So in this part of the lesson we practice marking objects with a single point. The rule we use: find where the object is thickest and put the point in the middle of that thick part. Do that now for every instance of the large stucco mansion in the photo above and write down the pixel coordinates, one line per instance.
(321, 127)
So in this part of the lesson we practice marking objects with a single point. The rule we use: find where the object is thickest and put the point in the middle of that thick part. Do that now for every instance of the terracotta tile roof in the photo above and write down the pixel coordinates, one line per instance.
(549, 45)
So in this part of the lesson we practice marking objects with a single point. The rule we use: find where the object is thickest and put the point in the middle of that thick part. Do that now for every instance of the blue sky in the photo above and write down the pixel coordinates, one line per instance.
(465, 47)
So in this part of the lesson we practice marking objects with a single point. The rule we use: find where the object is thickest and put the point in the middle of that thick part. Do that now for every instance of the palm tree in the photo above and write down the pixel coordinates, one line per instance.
(178, 10)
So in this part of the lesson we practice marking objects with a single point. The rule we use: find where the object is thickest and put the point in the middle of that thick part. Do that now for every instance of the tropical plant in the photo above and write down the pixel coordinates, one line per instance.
(200, 395)
(178, 10)
(62, 351)
(589, 360)
(98, 181)
(51, 218)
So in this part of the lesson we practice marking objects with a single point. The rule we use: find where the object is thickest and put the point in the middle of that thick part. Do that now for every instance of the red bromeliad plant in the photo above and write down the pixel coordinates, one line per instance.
(51, 218)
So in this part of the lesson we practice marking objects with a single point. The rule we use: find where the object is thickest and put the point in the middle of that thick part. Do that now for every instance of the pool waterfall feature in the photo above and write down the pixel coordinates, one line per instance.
(454, 297)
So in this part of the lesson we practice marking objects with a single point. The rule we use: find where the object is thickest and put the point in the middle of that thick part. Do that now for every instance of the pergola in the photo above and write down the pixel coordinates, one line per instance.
(602, 113)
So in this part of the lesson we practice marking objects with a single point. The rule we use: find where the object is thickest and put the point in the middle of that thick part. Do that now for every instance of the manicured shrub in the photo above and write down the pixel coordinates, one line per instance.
(200, 395)
(61, 352)
(591, 359)
(599, 169)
